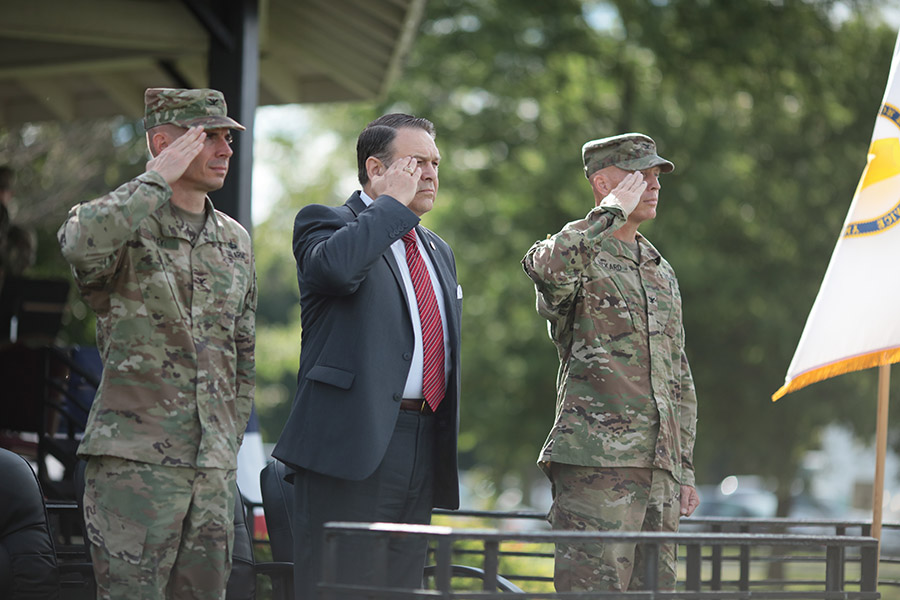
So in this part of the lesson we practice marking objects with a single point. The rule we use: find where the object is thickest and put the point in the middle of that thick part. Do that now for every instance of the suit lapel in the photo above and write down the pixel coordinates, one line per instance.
(439, 259)
(356, 205)
(395, 269)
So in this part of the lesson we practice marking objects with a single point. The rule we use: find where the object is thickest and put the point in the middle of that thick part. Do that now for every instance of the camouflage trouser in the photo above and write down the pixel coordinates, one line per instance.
(607, 499)
(158, 532)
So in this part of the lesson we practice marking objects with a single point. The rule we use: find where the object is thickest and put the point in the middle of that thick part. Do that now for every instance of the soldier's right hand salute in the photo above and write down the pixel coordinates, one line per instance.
(629, 191)
(177, 155)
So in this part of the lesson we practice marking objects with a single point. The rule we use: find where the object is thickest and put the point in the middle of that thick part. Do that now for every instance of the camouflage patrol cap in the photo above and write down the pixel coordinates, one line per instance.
(187, 108)
(629, 151)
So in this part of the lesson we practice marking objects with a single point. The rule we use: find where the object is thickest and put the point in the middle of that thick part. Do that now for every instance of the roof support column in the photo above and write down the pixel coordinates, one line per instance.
(234, 70)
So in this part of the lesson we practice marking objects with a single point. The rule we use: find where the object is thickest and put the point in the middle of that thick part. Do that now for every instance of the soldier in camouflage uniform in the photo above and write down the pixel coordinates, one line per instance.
(619, 454)
(173, 284)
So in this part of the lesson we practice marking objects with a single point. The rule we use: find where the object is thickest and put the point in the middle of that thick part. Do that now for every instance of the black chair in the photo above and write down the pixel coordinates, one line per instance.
(28, 567)
(29, 563)
(245, 568)
(278, 498)
(466, 572)
(242, 582)
(37, 402)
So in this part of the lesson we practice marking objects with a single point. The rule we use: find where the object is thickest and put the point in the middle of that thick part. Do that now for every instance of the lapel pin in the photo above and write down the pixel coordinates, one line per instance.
(432, 245)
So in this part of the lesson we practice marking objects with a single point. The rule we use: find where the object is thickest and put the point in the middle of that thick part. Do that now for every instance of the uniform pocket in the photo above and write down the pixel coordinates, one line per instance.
(154, 262)
(119, 536)
(605, 302)
(670, 311)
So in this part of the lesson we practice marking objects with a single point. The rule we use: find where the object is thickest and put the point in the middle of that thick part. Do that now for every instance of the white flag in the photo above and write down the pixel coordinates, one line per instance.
(855, 321)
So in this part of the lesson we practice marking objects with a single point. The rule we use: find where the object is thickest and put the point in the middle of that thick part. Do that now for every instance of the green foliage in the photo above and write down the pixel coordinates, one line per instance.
(512, 89)
(58, 166)
(781, 102)
(308, 173)
(765, 108)
(277, 360)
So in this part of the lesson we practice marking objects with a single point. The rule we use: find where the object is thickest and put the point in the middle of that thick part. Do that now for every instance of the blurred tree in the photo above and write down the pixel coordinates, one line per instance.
(299, 154)
(766, 109)
(769, 108)
(57, 166)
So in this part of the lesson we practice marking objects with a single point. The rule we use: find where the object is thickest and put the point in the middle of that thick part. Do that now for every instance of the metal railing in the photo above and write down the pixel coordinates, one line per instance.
(718, 557)
(889, 555)
(834, 552)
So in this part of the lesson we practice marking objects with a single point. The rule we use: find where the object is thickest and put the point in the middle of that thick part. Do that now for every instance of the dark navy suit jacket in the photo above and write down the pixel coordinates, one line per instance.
(357, 343)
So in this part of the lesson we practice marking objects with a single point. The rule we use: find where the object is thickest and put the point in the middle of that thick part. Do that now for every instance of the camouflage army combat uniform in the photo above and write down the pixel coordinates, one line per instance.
(175, 326)
(626, 402)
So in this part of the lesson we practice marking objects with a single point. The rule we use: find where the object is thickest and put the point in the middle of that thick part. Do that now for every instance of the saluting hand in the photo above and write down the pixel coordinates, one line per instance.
(175, 158)
(400, 180)
(629, 191)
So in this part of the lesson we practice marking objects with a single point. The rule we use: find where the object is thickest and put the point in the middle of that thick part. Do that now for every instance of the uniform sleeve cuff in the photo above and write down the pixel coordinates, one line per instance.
(154, 178)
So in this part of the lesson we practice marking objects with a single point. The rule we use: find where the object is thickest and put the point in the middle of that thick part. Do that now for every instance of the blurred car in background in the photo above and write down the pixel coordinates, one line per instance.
(737, 496)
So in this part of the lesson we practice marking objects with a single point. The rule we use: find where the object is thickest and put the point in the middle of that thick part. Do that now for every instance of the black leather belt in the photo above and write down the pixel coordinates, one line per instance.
(416, 405)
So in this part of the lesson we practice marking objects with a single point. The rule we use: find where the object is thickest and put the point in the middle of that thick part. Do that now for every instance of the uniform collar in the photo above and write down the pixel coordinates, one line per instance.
(647, 251)
(172, 225)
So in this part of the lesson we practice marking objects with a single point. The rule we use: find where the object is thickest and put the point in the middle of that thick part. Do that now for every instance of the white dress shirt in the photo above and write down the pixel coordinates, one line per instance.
(413, 387)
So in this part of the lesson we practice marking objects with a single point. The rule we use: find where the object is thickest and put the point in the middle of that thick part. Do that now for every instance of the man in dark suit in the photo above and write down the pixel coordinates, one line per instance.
(372, 431)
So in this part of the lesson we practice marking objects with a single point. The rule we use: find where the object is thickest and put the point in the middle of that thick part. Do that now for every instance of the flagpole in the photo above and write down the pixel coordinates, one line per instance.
(881, 426)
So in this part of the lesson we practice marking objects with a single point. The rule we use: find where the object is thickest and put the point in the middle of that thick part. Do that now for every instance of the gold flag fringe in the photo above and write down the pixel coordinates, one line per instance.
(848, 365)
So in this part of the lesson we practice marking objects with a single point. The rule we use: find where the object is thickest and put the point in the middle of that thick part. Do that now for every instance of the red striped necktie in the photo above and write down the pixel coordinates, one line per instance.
(430, 318)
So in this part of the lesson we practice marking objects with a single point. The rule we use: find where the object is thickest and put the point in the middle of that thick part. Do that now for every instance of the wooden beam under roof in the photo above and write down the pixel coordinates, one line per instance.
(392, 14)
(193, 68)
(344, 15)
(51, 96)
(311, 85)
(278, 80)
(124, 92)
(350, 36)
(330, 61)
(332, 66)
(76, 68)
(353, 59)
(159, 25)
(96, 52)
(407, 34)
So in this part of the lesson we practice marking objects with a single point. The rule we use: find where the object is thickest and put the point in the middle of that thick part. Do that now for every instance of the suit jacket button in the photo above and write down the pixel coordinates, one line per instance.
(398, 397)
(407, 356)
